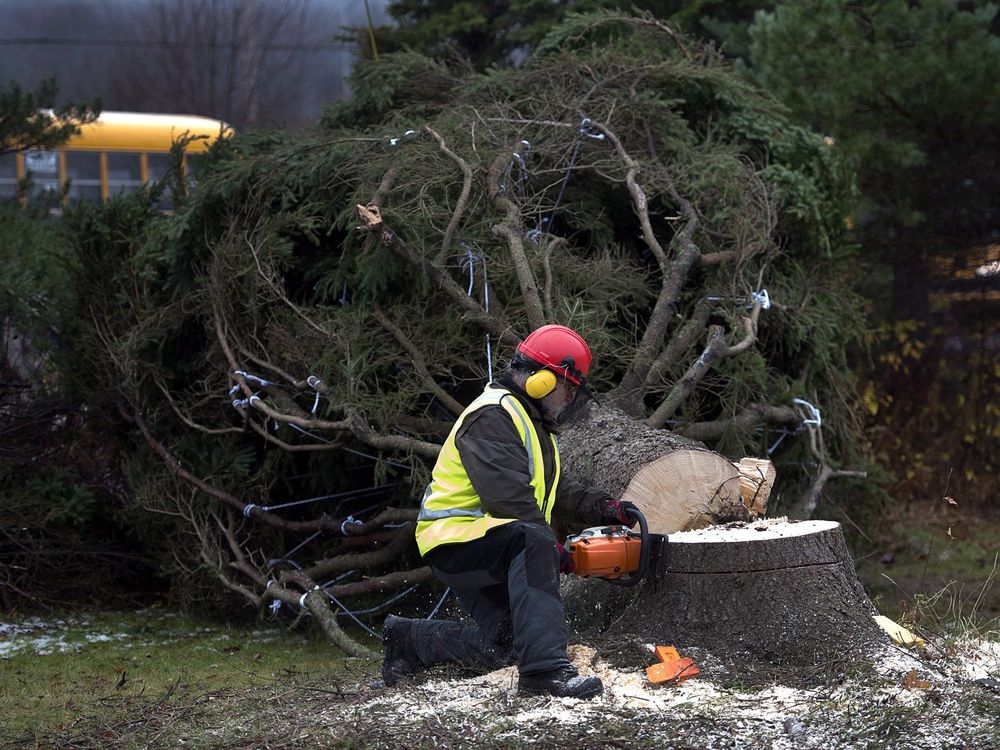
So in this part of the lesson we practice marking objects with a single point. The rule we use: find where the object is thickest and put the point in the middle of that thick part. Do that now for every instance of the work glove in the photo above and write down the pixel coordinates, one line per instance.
(617, 511)
(566, 564)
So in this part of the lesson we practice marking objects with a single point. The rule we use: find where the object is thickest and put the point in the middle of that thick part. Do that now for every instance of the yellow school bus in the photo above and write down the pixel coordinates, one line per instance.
(117, 153)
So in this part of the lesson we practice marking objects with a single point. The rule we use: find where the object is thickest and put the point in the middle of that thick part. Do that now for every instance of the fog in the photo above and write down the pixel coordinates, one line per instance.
(249, 62)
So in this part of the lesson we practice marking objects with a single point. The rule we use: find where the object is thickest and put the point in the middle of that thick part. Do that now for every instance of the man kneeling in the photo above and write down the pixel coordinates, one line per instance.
(484, 526)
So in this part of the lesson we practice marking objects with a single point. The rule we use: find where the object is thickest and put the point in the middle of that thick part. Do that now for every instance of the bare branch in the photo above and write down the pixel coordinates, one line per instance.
(402, 540)
(713, 352)
(680, 342)
(364, 432)
(647, 18)
(174, 464)
(463, 198)
(511, 229)
(419, 365)
(185, 418)
(750, 331)
(674, 272)
(314, 600)
(384, 186)
(371, 220)
(268, 436)
(806, 505)
(751, 416)
(274, 282)
(639, 201)
(717, 259)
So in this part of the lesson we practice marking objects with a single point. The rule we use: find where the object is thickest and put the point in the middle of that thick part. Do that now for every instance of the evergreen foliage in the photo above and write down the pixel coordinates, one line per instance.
(506, 34)
(486, 34)
(30, 119)
(908, 90)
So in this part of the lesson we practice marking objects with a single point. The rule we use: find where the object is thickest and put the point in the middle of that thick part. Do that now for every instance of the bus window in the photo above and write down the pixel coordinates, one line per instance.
(83, 170)
(156, 167)
(43, 169)
(114, 155)
(124, 173)
(192, 166)
(8, 177)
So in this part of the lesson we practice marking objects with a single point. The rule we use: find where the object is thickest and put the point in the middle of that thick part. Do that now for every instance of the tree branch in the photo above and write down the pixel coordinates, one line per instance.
(463, 198)
(713, 352)
(751, 416)
(806, 505)
(454, 406)
(674, 274)
(402, 540)
(316, 602)
(511, 229)
(750, 331)
(371, 221)
(680, 342)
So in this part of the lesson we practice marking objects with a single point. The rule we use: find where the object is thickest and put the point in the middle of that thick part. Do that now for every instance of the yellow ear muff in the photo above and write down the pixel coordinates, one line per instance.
(540, 384)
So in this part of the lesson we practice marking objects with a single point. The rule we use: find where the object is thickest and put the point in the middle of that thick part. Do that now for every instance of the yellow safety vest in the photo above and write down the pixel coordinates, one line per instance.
(451, 510)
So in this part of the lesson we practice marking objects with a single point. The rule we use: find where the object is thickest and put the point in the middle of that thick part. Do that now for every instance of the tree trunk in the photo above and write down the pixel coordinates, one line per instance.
(678, 483)
(780, 592)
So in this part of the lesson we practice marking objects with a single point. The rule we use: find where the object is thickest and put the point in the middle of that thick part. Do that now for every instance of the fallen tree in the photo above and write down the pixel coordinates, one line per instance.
(295, 341)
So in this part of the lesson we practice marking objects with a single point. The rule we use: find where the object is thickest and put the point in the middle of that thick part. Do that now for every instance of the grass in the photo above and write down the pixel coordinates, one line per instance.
(939, 570)
(147, 664)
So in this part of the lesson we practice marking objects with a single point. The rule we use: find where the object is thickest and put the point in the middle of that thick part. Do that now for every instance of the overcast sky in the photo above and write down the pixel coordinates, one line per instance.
(90, 45)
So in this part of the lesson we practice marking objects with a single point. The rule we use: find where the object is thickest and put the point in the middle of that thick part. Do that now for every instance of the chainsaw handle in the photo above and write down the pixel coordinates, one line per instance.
(632, 580)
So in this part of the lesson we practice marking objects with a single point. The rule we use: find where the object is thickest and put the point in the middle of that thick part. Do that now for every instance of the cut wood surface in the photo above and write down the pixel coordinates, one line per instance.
(773, 590)
(684, 489)
(756, 482)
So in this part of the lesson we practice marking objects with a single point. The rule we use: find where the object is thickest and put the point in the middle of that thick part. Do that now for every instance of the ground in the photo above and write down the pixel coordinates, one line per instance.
(152, 680)
(900, 699)
(944, 695)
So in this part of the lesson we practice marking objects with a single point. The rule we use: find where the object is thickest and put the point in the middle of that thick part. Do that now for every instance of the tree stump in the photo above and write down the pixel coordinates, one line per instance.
(780, 592)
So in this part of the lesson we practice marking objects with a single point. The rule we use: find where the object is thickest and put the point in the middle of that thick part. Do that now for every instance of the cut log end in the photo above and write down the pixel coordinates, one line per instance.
(692, 489)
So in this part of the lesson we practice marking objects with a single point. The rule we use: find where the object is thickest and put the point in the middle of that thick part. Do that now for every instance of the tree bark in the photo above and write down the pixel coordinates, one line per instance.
(784, 593)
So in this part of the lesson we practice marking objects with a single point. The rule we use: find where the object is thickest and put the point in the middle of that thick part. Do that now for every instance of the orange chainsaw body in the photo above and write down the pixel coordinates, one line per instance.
(605, 552)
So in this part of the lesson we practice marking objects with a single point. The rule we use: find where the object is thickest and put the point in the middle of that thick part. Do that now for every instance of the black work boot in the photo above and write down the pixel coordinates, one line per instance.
(563, 683)
(400, 658)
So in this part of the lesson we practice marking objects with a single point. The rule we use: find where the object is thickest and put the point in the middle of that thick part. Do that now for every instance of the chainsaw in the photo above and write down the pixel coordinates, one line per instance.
(618, 554)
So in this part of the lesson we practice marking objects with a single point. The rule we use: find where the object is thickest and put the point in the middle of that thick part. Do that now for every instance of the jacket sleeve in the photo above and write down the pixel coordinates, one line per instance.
(497, 465)
(579, 502)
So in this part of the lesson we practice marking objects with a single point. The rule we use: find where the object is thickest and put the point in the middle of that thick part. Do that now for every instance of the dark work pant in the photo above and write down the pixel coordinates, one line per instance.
(508, 581)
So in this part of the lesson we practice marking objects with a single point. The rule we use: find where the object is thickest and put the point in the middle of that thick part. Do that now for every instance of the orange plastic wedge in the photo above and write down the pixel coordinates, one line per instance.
(672, 667)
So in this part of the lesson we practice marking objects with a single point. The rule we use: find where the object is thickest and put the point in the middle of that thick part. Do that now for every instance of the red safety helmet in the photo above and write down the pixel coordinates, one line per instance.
(561, 350)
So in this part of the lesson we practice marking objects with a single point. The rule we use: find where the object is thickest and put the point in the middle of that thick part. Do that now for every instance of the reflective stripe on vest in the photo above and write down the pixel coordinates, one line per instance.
(451, 510)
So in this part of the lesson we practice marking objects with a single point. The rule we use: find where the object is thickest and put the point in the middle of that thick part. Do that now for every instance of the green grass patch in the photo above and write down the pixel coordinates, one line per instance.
(124, 667)
(940, 571)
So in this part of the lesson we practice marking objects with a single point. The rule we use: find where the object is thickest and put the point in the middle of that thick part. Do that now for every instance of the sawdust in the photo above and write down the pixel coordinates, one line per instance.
(624, 689)
(776, 716)
(747, 531)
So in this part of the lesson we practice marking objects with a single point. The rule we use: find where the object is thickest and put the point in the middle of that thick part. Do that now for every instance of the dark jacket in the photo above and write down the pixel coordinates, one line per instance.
(495, 460)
